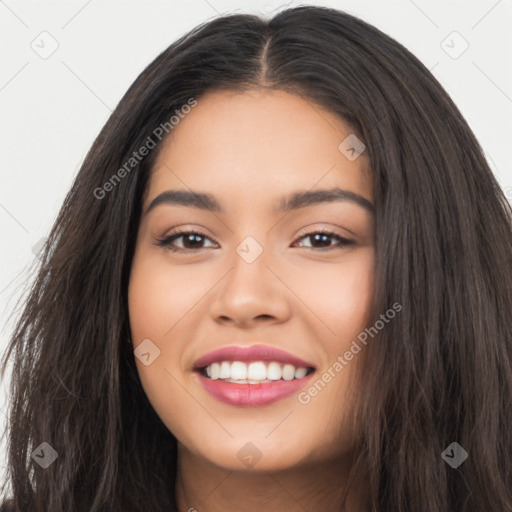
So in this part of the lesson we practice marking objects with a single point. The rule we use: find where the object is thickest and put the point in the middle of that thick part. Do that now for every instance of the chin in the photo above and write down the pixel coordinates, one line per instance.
(253, 455)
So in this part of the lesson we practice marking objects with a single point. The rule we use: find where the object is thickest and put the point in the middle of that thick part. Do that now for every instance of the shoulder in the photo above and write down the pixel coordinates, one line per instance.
(7, 506)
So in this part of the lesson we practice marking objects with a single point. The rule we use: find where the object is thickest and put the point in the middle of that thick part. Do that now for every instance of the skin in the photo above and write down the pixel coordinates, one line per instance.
(250, 149)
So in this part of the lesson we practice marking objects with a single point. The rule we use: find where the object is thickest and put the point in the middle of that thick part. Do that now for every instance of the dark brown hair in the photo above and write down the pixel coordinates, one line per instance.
(441, 372)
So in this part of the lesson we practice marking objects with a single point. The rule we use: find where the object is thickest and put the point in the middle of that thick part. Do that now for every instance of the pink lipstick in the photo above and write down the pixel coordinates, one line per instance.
(252, 376)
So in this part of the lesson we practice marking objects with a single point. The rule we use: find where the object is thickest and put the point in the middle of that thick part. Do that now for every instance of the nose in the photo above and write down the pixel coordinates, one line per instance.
(251, 293)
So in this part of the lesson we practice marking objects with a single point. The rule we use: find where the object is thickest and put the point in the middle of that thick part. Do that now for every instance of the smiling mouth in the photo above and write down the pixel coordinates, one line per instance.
(254, 372)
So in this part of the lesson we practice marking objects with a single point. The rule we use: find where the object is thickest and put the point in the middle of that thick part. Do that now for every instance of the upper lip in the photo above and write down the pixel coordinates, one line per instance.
(250, 353)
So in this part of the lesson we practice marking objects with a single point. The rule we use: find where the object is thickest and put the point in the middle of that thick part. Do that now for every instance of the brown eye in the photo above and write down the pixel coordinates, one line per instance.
(190, 238)
(323, 237)
(320, 240)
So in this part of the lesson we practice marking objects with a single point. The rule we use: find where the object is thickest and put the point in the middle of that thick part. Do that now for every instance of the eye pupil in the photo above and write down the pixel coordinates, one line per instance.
(187, 238)
(191, 240)
(323, 236)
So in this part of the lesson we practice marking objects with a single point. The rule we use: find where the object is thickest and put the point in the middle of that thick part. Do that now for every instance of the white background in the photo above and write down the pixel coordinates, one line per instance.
(53, 108)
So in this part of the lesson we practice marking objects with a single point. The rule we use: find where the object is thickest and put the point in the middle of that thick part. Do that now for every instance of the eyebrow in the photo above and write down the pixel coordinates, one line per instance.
(205, 201)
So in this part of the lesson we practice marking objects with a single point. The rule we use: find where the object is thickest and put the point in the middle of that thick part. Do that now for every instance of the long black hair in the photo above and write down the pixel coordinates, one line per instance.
(441, 371)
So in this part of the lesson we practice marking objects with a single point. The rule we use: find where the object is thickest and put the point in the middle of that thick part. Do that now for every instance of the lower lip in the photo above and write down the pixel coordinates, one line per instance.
(252, 395)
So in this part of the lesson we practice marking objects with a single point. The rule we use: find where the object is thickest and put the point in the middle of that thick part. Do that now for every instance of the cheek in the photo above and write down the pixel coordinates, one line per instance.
(158, 296)
(157, 301)
(339, 295)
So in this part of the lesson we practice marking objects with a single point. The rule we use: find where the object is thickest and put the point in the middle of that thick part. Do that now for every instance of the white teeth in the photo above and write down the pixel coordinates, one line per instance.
(274, 371)
(238, 370)
(225, 370)
(288, 372)
(255, 372)
(300, 372)
(215, 371)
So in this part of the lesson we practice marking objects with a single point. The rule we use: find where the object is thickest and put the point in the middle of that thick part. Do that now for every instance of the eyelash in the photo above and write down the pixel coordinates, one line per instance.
(166, 241)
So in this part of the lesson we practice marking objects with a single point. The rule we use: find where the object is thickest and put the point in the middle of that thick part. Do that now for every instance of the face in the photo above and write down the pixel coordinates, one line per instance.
(235, 270)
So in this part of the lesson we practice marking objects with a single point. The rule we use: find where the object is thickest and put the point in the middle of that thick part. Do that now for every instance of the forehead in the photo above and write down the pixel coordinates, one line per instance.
(255, 142)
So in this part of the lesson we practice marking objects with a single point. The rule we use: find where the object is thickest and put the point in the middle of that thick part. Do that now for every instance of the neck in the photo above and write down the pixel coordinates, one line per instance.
(204, 487)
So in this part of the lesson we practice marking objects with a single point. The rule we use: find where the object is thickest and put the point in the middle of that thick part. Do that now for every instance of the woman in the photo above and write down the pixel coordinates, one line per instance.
(282, 278)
